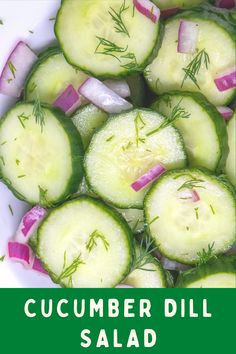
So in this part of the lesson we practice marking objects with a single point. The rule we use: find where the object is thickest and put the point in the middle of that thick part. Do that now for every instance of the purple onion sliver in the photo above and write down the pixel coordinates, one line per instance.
(37, 265)
(118, 86)
(19, 252)
(195, 196)
(148, 9)
(226, 112)
(226, 4)
(68, 99)
(124, 286)
(169, 12)
(187, 37)
(226, 81)
(33, 216)
(149, 177)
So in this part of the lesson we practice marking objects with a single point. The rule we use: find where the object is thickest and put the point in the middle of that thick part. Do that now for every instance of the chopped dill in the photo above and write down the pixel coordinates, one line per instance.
(197, 213)
(2, 258)
(143, 255)
(205, 255)
(23, 118)
(153, 220)
(110, 138)
(106, 47)
(12, 69)
(21, 176)
(3, 143)
(67, 272)
(192, 183)
(17, 162)
(212, 209)
(95, 235)
(127, 146)
(32, 87)
(1, 21)
(139, 124)
(43, 199)
(2, 159)
(117, 18)
(11, 210)
(39, 113)
(132, 65)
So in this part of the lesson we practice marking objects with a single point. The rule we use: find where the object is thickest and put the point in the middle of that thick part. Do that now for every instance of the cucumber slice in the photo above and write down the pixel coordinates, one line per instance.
(135, 219)
(138, 89)
(50, 76)
(170, 4)
(182, 228)
(219, 273)
(92, 40)
(150, 275)
(121, 152)
(166, 72)
(87, 120)
(41, 164)
(202, 132)
(101, 250)
(230, 168)
(33, 241)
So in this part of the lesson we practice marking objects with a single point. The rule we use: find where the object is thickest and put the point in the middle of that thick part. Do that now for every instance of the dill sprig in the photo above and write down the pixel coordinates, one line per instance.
(143, 255)
(39, 113)
(22, 118)
(2, 159)
(32, 87)
(205, 255)
(43, 198)
(67, 272)
(192, 183)
(153, 220)
(117, 18)
(132, 65)
(176, 113)
(107, 47)
(12, 68)
(193, 68)
(95, 235)
(138, 124)
(11, 210)
(1, 21)
(2, 258)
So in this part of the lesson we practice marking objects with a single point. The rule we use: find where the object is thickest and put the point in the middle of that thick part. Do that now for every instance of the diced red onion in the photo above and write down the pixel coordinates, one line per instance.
(169, 12)
(189, 194)
(121, 286)
(148, 9)
(172, 265)
(187, 37)
(118, 86)
(195, 195)
(16, 69)
(30, 223)
(37, 265)
(226, 81)
(103, 97)
(226, 4)
(68, 101)
(20, 252)
(148, 177)
(226, 112)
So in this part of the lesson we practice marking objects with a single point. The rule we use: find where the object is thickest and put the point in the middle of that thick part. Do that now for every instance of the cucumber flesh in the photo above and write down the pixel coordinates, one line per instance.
(42, 164)
(218, 273)
(230, 168)
(203, 131)
(192, 226)
(50, 76)
(87, 120)
(121, 152)
(67, 234)
(170, 4)
(135, 219)
(91, 39)
(166, 72)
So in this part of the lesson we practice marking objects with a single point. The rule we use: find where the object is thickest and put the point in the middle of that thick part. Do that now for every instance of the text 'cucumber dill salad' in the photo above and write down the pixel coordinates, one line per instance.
(123, 144)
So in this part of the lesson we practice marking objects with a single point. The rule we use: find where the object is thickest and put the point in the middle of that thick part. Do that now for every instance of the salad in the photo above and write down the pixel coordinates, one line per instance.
(122, 143)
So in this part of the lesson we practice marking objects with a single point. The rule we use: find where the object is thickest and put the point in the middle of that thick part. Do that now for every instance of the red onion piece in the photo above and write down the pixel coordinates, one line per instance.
(68, 100)
(118, 86)
(37, 265)
(187, 37)
(20, 252)
(195, 195)
(226, 81)
(189, 195)
(103, 97)
(16, 69)
(172, 265)
(148, 9)
(29, 223)
(148, 177)
(125, 286)
(169, 12)
(226, 4)
(226, 112)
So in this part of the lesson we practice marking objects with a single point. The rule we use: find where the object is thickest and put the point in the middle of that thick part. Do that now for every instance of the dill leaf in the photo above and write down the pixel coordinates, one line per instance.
(95, 235)
(117, 18)
(205, 255)
(106, 47)
(39, 113)
(143, 255)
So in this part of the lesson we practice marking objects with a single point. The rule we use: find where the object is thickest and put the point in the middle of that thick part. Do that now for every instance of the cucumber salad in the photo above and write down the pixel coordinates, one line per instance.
(122, 142)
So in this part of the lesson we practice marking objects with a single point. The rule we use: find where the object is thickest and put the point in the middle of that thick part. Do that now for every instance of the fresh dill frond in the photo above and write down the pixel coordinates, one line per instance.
(212, 209)
(12, 68)
(67, 272)
(143, 255)
(176, 113)
(2, 258)
(132, 65)
(110, 138)
(191, 184)
(95, 235)
(153, 220)
(3, 143)
(11, 210)
(127, 146)
(138, 124)
(193, 68)
(205, 255)
(197, 213)
(117, 18)
(39, 113)
(32, 87)
(43, 199)
(17, 162)
(21, 176)
(1, 21)
(106, 47)
(167, 101)
(22, 118)
(2, 159)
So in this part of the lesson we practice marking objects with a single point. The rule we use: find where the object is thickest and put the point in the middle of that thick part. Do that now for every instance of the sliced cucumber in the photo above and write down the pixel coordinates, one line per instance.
(79, 253)
(219, 273)
(170, 4)
(50, 76)
(230, 168)
(33, 241)
(41, 163)
(122, 151)
(203, 130)
(134, 218)
(138, 89)
(166, 72)
(181, 227)
(87, 120)
(92, 40)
